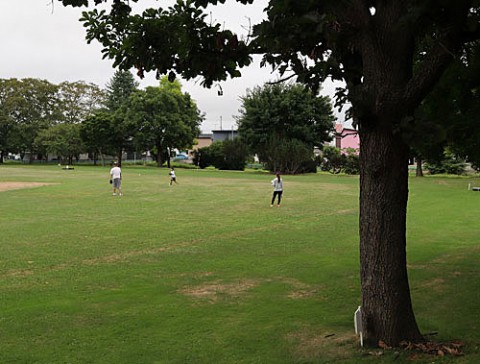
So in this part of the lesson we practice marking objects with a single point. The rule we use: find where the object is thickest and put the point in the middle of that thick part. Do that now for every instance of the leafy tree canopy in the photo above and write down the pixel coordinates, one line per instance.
(78, 100)
(61, 139)
(95, 132)
(227, 155)
(448, 117)
(165, 118)
(32, 105)
(7, 127)
(313, 39)
(288, 111)
(282, 123)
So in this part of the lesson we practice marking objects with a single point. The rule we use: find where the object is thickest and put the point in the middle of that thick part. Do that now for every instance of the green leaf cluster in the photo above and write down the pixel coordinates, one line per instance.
(334, 161)
(282, 123)
(164, 119)
(231, 154)
(29, 107)
(64, 140)
(179, 39)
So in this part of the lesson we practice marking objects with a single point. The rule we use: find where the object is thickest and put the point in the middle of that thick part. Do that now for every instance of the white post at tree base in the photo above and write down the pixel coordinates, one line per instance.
(357, 319)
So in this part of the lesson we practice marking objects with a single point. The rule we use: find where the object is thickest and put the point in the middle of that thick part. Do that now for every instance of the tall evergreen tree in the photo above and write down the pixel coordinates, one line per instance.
(119, 89)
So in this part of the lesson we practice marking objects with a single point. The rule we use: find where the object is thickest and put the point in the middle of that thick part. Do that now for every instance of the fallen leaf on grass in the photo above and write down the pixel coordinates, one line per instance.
(453, 348)
(381, 344)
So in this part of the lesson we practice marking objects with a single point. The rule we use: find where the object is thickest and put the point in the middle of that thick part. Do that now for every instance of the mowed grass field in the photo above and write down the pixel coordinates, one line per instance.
(206, 272)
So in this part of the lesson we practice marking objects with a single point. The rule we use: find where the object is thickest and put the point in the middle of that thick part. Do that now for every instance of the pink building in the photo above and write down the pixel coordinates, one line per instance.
(346, 138)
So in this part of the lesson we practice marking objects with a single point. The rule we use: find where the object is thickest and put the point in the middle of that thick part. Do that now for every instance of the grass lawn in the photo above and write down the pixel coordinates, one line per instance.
(207, 272)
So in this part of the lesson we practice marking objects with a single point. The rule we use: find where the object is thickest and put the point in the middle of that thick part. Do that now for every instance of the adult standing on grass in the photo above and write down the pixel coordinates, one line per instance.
(173, 177)
(277, 184)
(116, 179)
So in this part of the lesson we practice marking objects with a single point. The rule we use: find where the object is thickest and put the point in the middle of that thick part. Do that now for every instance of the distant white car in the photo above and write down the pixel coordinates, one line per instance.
(180, 157)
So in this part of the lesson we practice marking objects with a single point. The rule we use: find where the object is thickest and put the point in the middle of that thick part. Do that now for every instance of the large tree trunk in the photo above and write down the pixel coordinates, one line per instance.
(419, 167)
(169, 153)
(386, 304)
(159, 154)
(119, 156)
(102, 157)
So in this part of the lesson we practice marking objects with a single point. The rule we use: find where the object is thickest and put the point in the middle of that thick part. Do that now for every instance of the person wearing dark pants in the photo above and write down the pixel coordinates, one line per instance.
(277, 184)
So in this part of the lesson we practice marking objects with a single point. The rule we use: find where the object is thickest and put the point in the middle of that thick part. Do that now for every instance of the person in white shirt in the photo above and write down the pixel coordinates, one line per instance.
(277, 184)
(173, 177)
(116, 179)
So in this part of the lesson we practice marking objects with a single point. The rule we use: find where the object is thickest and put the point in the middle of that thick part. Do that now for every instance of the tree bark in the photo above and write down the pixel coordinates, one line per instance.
(169, 153)
(102, 157)
(159, 154)
(419, 167)
(119, 156)
(386, 303)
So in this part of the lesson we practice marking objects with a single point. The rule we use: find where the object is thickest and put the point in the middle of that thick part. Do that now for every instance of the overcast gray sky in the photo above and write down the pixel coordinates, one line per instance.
(40, 42)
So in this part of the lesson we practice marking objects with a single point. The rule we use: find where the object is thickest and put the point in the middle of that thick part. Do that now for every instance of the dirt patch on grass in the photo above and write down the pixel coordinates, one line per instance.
(212, 291)
(345, 212)
(308, 346)
(299, 289)
(7, 186)
(119, 257)
(436, 284)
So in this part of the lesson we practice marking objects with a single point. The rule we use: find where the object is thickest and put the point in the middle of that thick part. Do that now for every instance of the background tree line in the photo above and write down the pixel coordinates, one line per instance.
(38, 119)
(281, 124)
